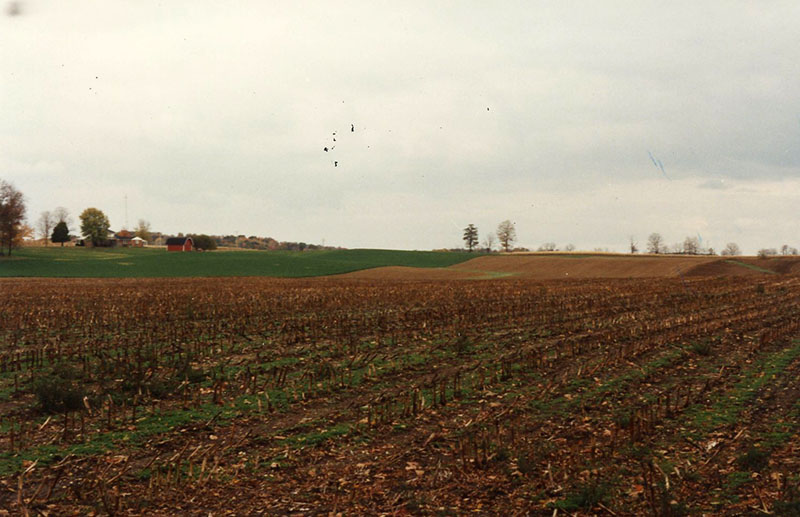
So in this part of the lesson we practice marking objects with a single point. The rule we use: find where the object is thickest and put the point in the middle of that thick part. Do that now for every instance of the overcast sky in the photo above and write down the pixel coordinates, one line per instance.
(212, 117)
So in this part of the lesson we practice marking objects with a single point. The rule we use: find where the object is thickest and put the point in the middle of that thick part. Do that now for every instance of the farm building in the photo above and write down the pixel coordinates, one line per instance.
(122, 238)
(138, 242)
(180, 244)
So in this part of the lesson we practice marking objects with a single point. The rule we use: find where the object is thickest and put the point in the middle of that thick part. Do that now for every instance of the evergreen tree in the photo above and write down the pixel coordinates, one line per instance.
(471, 236)
(60, 233)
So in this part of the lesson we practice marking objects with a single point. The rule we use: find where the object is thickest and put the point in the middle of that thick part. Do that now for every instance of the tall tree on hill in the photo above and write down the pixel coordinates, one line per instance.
(45, 225)
(506, 234)
(94, 226)
(471, 236)
(655, 243)
(60, 233)
(12, 215)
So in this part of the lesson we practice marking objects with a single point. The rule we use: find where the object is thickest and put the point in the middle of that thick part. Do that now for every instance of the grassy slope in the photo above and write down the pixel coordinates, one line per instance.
(80, 262)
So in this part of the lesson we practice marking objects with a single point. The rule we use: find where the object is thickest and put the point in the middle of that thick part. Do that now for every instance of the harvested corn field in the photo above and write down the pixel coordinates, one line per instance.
(662, 396)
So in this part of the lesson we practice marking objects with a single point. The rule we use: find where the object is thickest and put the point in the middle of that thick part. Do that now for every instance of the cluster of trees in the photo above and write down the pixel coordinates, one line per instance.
(506, 235)
(771, 252)
(689, 246)
(254, 242)
(551, 246)
(693, 246)
(54, 226)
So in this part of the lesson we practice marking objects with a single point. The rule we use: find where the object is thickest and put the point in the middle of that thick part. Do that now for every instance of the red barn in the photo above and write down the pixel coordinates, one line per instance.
(180, 244)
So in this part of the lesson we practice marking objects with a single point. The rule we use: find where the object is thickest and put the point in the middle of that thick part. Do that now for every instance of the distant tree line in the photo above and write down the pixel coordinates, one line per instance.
(254, 242)
(693, 246)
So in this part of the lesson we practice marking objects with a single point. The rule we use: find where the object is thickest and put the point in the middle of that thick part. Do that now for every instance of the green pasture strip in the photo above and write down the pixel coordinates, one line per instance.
(11, 462)
(487, 275)
(751, 266)
(158, 263)
(584, 392)
(726, 410)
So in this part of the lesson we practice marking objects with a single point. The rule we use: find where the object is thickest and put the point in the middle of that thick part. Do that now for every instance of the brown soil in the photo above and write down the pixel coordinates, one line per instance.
(545, 267)
(551, 267)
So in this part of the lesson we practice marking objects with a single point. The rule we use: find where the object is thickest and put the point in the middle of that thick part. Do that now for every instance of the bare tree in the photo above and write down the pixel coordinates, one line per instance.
(488, 242)
(45, 225)
(655, 243)
(569, 247)
(731, 250)
(12, 215)
(143, 230)
(61, 215)
(691, 246)
(506, 234)
(767, 252)
(547, 246)
(633, 247)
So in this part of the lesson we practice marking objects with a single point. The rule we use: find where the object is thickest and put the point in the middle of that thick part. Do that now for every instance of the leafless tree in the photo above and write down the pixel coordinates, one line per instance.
(691, 246)
(767, 252)
(731, 250)
(506, 234)
(655, 243)
(633, 247)
(488, 242)
(45, 225)
(61, 215)
(12, 215)
(143, 230)
(569, 247)
(547, 246)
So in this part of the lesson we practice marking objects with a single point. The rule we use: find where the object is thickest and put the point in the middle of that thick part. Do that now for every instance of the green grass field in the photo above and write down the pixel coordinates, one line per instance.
(119, 262)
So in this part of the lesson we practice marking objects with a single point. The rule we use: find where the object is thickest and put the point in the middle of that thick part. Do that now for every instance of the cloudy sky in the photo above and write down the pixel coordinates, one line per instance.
(212, 117)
